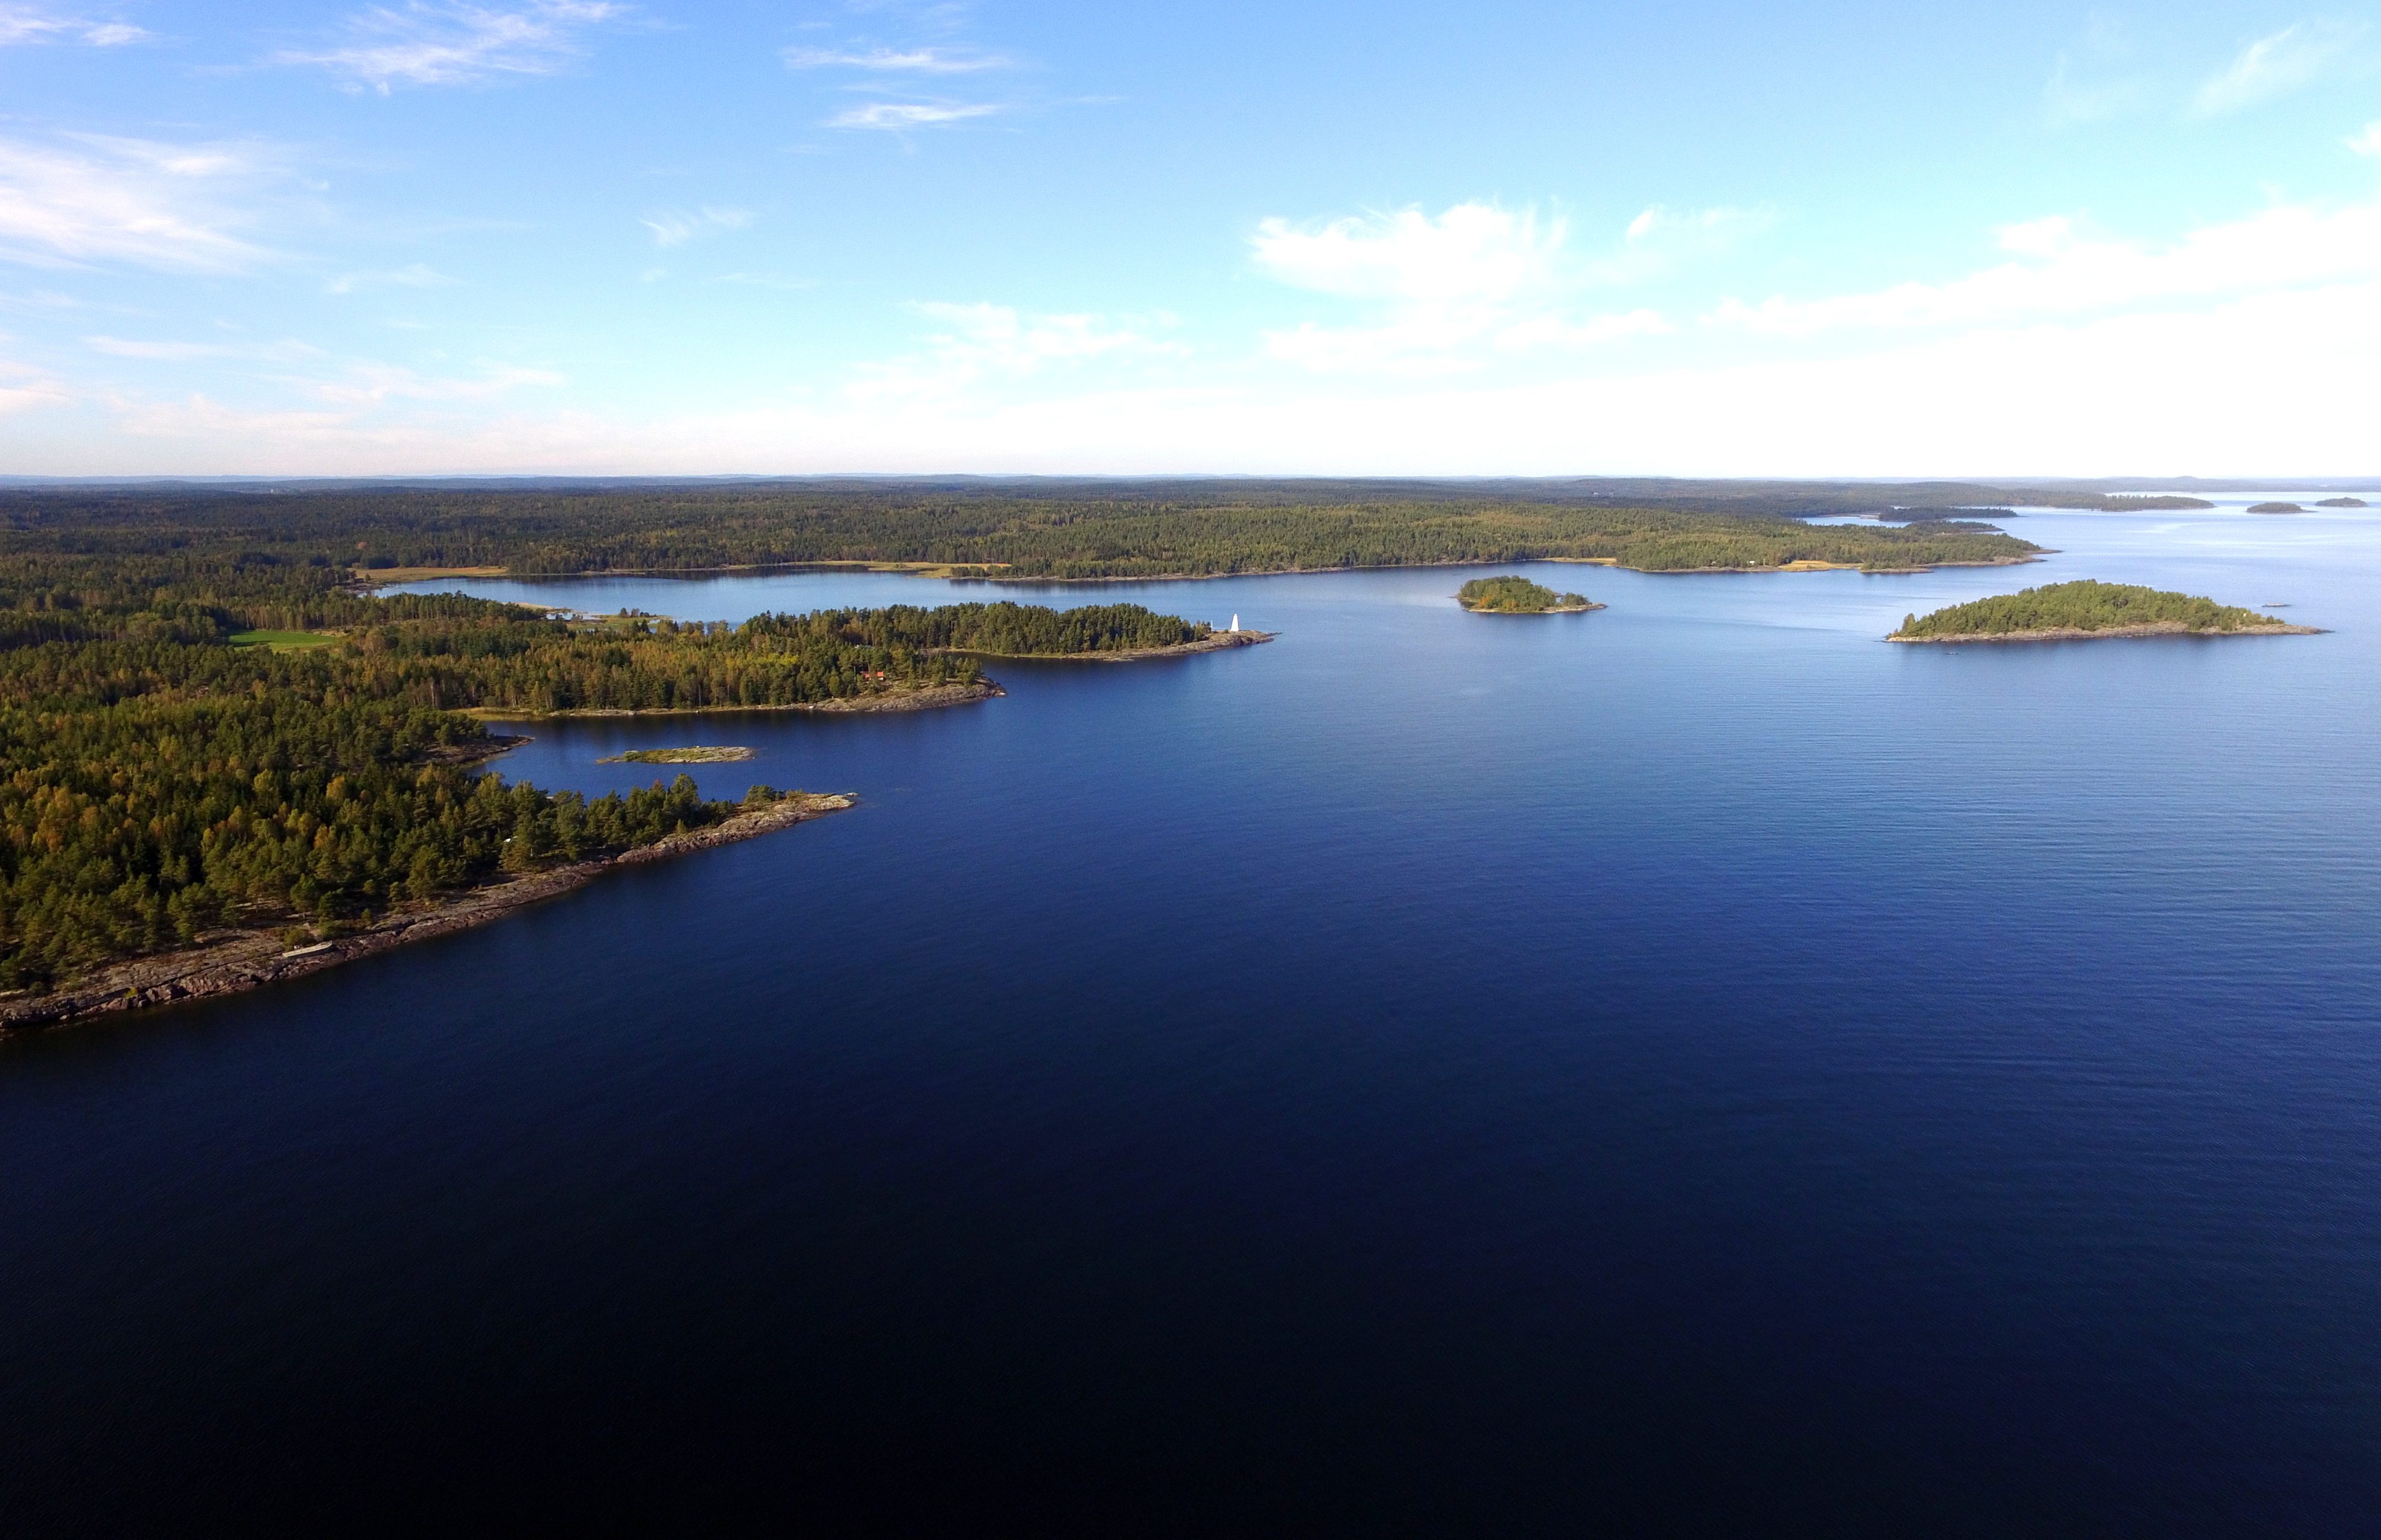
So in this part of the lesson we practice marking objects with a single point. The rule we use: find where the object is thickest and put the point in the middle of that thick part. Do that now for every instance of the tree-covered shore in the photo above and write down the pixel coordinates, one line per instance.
(161, 785)
(2085, 608)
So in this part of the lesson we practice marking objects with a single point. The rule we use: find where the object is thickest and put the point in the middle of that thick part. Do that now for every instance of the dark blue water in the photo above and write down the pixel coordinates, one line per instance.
(1682, 1065)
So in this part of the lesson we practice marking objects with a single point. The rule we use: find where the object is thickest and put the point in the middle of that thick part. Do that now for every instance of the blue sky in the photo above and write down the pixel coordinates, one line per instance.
(1694, 239)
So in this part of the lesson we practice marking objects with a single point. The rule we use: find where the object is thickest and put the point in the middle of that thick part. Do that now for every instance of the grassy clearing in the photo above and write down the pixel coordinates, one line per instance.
(282, 641)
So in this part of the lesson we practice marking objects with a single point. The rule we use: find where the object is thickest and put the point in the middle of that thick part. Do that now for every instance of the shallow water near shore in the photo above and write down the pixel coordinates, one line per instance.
(1691, 1062)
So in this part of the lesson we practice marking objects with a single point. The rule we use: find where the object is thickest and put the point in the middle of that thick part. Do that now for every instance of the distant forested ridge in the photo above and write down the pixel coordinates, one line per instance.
(1099, 531)
(1517, 595)
(2085, 606)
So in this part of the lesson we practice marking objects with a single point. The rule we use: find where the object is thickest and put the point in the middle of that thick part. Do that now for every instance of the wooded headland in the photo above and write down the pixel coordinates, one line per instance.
(171, 771)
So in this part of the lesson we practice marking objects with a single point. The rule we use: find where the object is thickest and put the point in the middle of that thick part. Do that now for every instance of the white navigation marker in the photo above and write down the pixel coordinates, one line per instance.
(1236, 622)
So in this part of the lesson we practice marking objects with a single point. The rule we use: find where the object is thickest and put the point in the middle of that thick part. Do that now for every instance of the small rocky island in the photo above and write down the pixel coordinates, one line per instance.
(697, 755)
(2276, 507)
(2343, 502)
(2087, 609)
(1518, 595)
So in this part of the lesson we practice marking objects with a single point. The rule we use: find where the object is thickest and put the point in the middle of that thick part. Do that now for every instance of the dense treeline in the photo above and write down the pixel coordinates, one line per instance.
(228, 541)
(2082, 605)
(1021, 630)
(138, 825)
(1515, 596)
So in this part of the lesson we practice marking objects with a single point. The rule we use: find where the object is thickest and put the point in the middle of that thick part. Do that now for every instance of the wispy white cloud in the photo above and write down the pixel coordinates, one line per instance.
(2059, 272)
(1439, 341)
(288, 351)
(897, 116)
(1473, 284)
(2098, 77)
(2367, 143)
(354, 414)
(983, 341)
(1472, 251)
(23, 388)
(436, 45)
(912, 61)
(139, 201)
(199, 420)
(1663, 239)
(2278, 64)
(413, 276)
(677, 227)
(372, 385)
(788, 282)
(21, 24)
(2070, 99)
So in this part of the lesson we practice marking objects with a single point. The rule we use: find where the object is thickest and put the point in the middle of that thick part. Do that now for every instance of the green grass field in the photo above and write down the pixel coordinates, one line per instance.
(282, 641)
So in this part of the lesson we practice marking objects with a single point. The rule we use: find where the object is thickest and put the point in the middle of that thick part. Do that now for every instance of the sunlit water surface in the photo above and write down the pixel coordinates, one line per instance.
(1691, 1062)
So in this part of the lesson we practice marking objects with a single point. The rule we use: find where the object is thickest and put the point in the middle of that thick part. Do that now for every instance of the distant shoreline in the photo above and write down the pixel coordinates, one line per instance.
(249, 959)
(389, 577)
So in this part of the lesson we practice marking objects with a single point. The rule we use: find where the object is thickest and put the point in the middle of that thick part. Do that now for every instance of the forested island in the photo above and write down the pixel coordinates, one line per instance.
(2276, 507)
(2343, 502)
(2140, 503)
(1519, 595)
(2085, 609)
(208, 746)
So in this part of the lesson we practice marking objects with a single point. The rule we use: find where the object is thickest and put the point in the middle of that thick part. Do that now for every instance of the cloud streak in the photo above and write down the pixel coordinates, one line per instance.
(984, 341)
(899, 116)
(2278, 64)
(25, 24)
(910, 61)
(445, 44)
(139, 203)
(677, 227)
(413, 276)
(1474, 284)
(2060, 273)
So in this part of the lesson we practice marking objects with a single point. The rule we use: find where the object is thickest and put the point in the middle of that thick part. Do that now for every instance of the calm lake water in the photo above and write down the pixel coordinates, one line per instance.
(1687, 1063)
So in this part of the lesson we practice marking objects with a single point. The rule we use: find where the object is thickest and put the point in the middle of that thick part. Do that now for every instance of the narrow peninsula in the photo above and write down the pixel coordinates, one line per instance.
(234, 960)
(2090, 610)
(217, 771)
(1513, 595)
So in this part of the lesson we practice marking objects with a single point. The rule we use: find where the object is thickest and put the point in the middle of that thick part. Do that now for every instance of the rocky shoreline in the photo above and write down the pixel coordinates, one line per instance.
(249, 959)
(1550, 609)
(925, 699)
(2071, 633)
